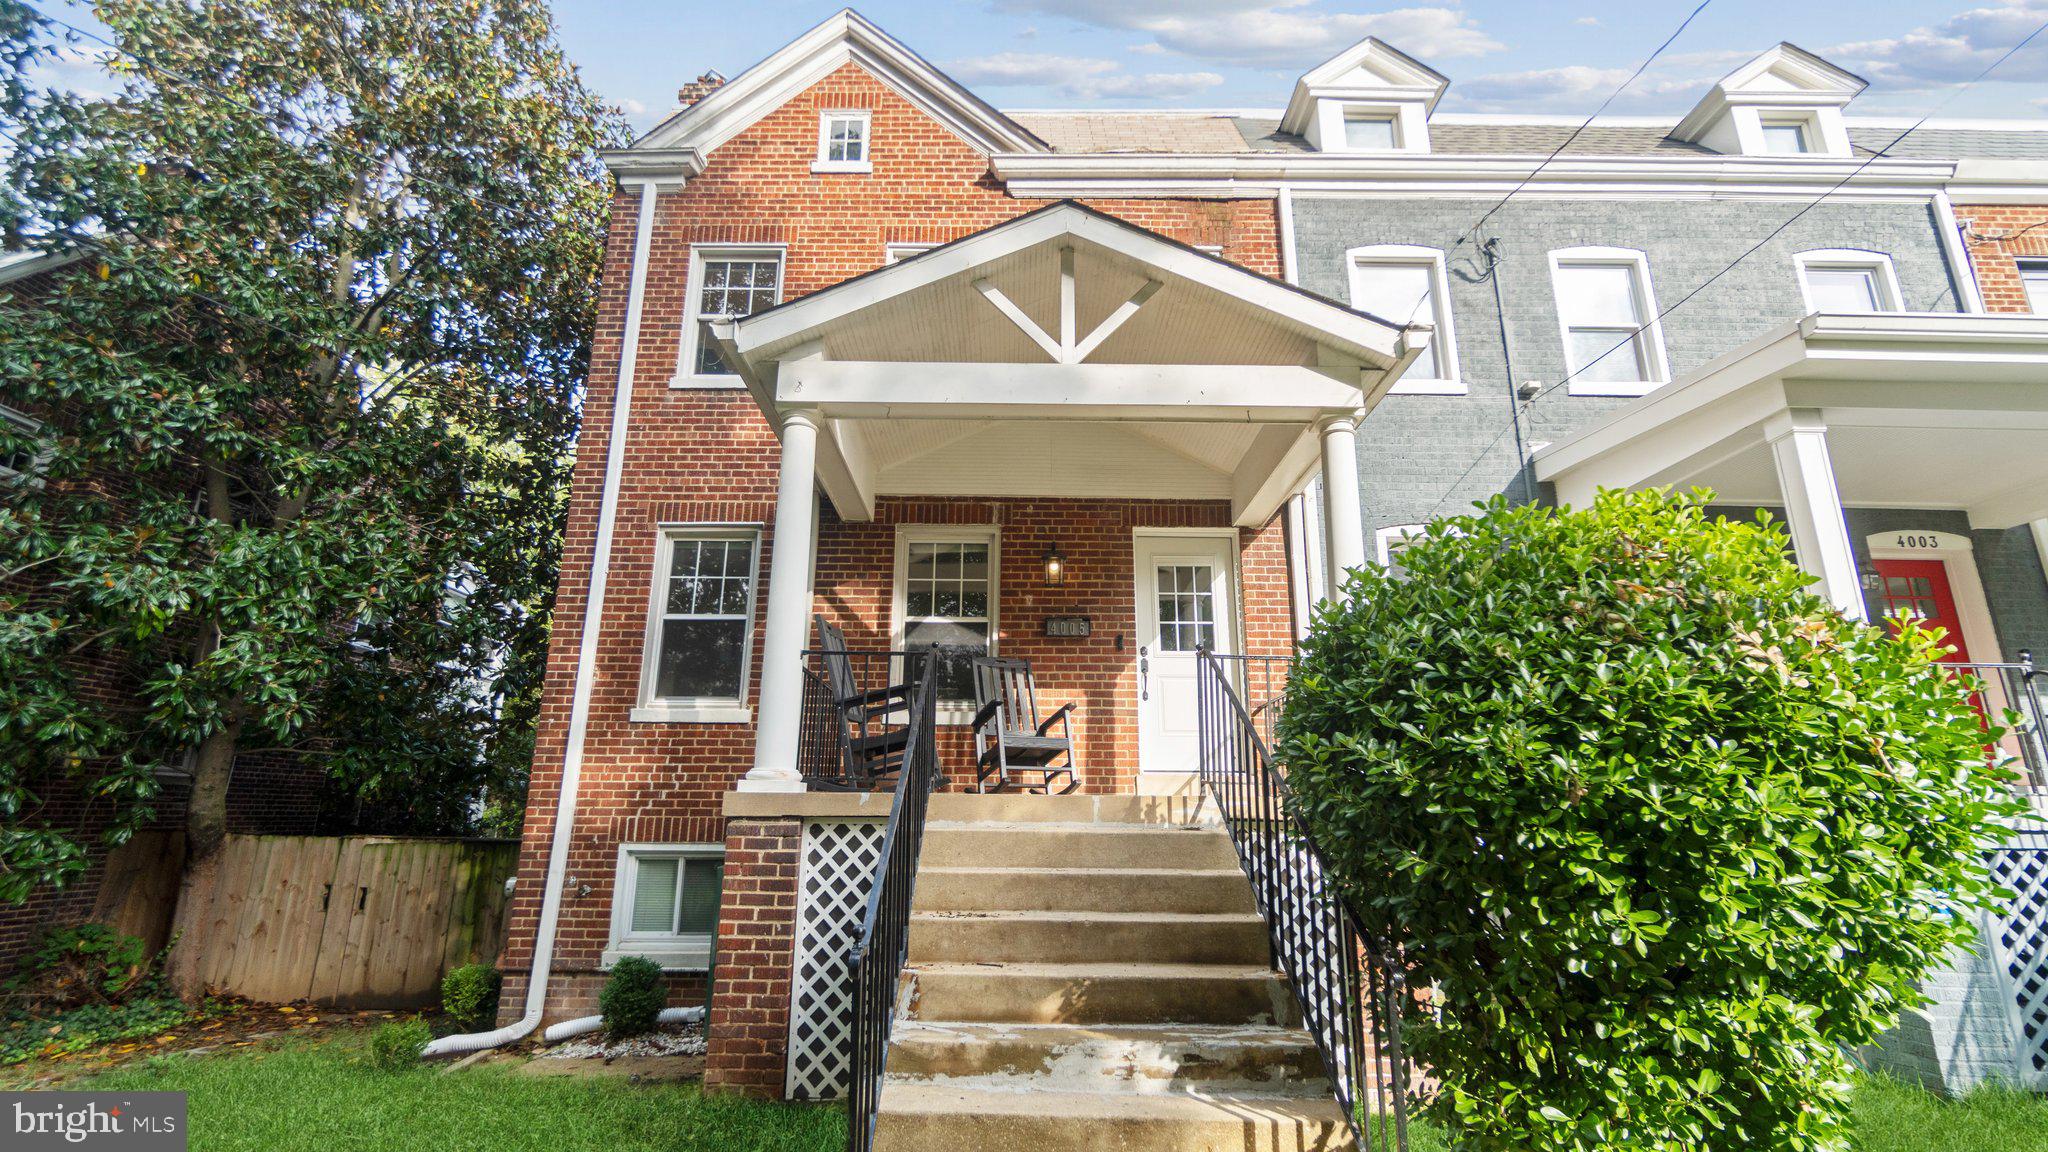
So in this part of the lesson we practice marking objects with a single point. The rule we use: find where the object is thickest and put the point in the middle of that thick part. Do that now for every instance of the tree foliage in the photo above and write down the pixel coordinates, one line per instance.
(309, 397)
(1659, 831)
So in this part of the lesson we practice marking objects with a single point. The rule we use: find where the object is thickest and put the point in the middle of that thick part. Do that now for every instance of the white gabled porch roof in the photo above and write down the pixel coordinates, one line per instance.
(1066, 353)
(1921, 410)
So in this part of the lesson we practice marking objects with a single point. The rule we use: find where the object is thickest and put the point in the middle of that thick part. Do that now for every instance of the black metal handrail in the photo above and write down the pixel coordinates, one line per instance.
(1351, 987)
(875, 962)
(2021, 687)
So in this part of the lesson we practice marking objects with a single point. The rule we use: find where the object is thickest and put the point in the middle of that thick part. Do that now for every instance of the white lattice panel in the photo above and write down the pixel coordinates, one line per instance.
(832, 893)
(2020, 935)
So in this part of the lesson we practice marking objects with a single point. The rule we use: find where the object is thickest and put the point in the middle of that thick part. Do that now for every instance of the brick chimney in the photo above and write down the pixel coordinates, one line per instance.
(699, 88)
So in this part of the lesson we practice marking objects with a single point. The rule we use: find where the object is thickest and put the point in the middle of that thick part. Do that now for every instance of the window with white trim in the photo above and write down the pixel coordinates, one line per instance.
(946, 601)
(843, 141)
(1787, 135)
(2034, 278)
(1405, 284)
(725, 284)
(897, 253)
(1371, 131)
(1848, 280)
(1391, 542)
(18, 453)
(665, 904)
(1608, 316)
(700, 636)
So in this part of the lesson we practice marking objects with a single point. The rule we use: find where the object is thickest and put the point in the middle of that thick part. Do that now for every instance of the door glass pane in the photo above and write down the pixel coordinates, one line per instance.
(654, 896)
(1187, 610)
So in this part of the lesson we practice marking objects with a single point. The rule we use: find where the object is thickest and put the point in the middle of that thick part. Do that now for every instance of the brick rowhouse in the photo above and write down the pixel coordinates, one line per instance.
(1999, 237)
(706, 455)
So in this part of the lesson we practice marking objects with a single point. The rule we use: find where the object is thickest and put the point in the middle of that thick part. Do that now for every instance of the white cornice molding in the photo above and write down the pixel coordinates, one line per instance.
(2017, 182)
(634, 166)
(1241, 175)
(845, 36)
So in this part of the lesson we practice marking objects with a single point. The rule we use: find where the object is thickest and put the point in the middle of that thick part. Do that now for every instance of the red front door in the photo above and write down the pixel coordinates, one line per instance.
(1920, 589)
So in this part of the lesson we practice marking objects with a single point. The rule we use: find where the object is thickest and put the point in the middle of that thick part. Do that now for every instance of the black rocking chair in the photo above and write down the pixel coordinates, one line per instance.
(870, 747)
(1008, 733)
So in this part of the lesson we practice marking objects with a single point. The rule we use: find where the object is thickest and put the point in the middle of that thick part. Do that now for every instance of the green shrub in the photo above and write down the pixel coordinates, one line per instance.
(1659, 830)
(77, 965)
(469, 995)
(396, 1044)
(632, 997)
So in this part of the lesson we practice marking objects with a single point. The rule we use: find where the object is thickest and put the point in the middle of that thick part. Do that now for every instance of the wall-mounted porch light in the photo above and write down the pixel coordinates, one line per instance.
(1055, 566)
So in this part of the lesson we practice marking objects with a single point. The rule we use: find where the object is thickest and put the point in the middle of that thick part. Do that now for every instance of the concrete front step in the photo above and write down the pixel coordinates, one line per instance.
(946, 1118)
(1237, 938)
(1128, 993)
(1083, 890)
(1011, 808)
(1051, 845)
(1127, 1058)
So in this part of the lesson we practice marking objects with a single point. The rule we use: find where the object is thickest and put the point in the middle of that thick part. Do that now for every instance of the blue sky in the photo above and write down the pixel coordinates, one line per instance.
(1548, 57)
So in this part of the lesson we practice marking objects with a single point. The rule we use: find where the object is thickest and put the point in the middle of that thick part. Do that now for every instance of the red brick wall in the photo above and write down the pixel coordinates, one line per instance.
(696, 455)
(749, 1022)
(1999, 236)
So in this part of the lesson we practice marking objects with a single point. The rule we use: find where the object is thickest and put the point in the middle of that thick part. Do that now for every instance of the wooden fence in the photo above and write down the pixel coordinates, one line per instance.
(355, 921)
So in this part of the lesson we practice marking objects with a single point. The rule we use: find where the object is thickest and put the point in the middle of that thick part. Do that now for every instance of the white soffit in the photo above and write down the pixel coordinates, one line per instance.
(845, 36)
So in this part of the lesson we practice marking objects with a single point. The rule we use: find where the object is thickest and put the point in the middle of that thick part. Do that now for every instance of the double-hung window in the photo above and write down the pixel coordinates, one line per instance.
(2034, 279)
(1612, 343)
(700, 636)
(1848, 280)
(725, 284)
(18, 453)
(1405, 284)
(843, 141)
(665, 904)
(946, 590)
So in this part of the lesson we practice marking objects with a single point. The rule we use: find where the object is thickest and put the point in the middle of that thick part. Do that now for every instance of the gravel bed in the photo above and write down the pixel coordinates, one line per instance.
(680, 1040)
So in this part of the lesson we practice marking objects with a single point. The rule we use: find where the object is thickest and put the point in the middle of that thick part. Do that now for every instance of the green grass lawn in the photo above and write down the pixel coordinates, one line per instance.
(321, 1096)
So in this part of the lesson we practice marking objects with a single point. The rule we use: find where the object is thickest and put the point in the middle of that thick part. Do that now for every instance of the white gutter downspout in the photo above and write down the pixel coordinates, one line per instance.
(1959, 265)
(586, 664)
(1289, 271)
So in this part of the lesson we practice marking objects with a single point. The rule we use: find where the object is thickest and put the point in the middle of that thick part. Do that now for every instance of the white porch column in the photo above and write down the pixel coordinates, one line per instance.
(1813, 508)
(789, 605)
(1343, 522)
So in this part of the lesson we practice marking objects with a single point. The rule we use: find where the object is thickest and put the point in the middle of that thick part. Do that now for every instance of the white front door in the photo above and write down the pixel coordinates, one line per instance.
(1187, 600)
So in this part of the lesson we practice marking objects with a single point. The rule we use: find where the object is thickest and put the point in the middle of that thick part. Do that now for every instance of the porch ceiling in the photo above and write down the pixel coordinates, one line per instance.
(1921, 411)
(1066, 353)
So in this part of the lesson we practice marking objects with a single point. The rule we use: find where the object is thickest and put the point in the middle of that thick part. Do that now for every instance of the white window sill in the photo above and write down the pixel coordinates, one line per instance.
(1615, 388)
(842, 167)
(1427, 388)
(685, 380)
(673, 956)
(661, 712)
(955, 717)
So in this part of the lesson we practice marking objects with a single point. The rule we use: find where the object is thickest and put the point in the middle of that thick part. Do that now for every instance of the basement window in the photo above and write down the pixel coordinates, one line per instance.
(665, 904)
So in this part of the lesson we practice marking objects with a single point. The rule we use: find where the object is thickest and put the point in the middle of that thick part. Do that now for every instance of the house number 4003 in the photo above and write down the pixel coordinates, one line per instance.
(1904, 541)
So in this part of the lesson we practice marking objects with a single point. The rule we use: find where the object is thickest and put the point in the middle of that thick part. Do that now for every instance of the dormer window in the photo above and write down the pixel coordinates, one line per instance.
(1787, 137)
(843, 141)
(1371, 132)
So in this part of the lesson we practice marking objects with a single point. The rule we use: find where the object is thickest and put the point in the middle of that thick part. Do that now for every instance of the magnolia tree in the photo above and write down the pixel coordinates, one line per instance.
(309, 398)
(1660, 832)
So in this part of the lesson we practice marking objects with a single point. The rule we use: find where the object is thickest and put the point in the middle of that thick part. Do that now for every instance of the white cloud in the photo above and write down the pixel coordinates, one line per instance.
(1081, 77)
(632, 107)
(1273, 33)
(1955, 50)
(75, 68)
(1588, 21)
